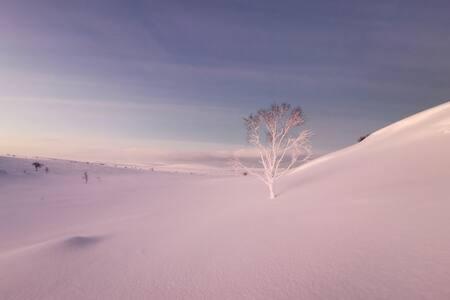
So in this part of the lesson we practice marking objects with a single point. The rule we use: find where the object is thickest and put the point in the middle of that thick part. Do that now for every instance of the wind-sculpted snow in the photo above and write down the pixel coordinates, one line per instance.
(368, 222)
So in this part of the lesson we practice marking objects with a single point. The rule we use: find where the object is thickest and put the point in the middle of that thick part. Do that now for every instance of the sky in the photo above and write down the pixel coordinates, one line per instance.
(143, 81)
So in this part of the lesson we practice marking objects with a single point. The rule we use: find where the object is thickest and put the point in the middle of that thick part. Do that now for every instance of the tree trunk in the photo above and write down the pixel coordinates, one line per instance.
(272, 194)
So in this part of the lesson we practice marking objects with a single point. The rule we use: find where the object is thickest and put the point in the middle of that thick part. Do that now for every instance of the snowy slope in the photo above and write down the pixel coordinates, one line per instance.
(368, 222)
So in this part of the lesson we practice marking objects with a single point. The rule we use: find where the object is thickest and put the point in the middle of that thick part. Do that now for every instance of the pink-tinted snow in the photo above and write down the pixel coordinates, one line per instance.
(371, 221)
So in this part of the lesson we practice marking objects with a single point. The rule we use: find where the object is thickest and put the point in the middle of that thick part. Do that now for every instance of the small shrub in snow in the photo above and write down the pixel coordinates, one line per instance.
(362, 138)
(37, 165)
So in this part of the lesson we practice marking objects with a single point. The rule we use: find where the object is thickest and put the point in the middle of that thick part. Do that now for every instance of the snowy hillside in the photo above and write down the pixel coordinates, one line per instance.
(371, 221)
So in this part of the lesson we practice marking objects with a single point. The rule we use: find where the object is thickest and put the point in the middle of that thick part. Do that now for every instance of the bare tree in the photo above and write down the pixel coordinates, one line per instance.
(280, 144)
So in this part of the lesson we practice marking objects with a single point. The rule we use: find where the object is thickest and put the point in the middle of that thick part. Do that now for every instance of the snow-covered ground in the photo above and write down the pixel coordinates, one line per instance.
(371, 221)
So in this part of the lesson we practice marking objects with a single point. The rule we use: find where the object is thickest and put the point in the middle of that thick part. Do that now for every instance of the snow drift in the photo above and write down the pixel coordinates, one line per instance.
(368, 222)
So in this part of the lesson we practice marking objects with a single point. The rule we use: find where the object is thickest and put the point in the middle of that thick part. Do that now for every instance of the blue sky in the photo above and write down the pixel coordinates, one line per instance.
(135, 80)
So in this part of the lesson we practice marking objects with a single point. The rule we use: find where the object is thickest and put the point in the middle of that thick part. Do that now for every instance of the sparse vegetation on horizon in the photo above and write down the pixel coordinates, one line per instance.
(37, 165)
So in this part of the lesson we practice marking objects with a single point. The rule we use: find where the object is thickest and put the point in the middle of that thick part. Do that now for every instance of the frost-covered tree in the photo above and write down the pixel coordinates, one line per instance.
(280, 143)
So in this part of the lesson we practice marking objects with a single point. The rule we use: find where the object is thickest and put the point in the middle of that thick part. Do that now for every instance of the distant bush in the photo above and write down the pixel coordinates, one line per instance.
(245, 173)
(37, 165)
(362, 138)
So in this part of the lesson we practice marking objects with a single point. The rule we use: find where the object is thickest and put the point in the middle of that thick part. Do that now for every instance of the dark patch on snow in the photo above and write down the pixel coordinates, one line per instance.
(78, 242)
